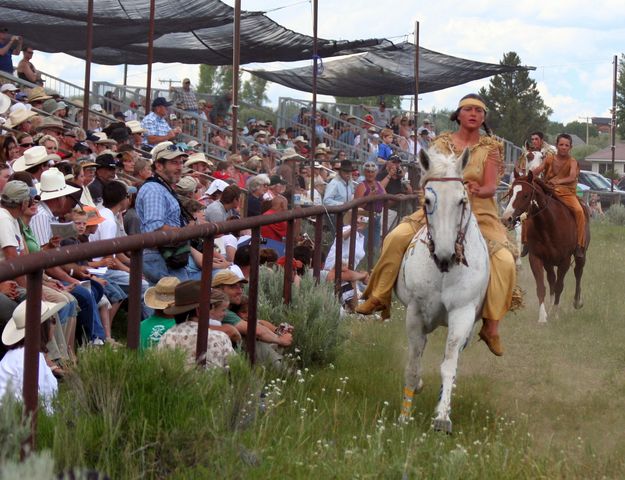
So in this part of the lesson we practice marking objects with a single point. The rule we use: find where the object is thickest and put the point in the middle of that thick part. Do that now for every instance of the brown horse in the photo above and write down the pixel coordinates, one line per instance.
(551, 237)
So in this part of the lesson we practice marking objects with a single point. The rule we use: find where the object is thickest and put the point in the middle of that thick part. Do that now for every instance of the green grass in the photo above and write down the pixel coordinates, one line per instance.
(552, 407)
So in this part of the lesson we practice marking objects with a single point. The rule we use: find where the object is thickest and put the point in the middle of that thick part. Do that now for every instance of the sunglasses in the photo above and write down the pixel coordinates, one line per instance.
(27, 145)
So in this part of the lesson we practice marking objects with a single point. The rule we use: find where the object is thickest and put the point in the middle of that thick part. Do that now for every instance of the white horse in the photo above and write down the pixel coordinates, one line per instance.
(443, 277)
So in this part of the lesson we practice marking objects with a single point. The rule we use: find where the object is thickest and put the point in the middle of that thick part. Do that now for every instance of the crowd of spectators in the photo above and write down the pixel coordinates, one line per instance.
(62, 185)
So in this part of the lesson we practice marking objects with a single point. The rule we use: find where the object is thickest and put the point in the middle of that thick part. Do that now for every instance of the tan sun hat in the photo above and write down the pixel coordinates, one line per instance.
(227, 277)
(15, 329)
(135, 126)
(161, 295)
(19, 116)
(38, 94)
(51, 122)
(198, 157)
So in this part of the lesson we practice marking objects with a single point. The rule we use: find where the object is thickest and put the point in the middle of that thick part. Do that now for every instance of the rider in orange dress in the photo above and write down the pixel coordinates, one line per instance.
(561, 172)
(481, 177)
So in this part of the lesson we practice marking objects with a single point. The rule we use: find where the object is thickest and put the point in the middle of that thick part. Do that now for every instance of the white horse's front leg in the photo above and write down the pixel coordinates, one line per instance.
(416, 344)
(460, 325)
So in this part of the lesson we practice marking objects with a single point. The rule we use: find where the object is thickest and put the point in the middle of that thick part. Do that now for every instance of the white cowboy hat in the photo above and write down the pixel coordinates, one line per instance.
(32, 157)
(135, 126)
(5, 103)
(15, 329)
(19, 116)
(53, 185)
(217, 185)
(161, 295)
(291, 154)
(299, 139)
(197, 158)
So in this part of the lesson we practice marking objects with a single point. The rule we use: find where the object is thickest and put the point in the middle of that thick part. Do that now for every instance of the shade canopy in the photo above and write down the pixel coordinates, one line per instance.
(186, 31)
(384, 71)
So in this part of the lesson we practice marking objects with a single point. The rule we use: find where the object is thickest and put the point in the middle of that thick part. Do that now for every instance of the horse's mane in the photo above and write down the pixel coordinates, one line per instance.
(441, 165)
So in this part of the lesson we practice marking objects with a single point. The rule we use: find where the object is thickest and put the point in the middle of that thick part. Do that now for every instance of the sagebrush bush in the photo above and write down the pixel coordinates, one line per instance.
(314, 312)
(615, 215)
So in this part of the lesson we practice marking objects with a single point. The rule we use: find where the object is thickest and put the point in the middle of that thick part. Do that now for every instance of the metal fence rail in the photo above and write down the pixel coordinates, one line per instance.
(33, 265)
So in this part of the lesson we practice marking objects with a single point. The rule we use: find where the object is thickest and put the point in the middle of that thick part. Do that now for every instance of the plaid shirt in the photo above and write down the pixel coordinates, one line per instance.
(154, 125)
(156, 207)
(187, 98)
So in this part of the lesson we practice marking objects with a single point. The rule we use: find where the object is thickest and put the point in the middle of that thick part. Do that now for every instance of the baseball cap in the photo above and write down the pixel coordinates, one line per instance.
(276, 180)
(394, 158)
(17, 191)
(160, 102)
(167, 151)
(8, 87)
(227, 277)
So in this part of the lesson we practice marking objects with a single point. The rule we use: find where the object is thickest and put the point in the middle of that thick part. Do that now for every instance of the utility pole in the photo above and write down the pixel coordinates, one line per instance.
(169, 81)
(587, 124)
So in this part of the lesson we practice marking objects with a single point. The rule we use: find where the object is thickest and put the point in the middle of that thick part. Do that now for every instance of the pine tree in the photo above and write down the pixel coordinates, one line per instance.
(206, 81)
(620, 98)
(515, 106)
(253, 91)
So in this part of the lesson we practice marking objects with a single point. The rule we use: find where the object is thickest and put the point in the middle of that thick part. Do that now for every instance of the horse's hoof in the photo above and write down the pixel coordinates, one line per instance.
(578, 304)
(441, 425)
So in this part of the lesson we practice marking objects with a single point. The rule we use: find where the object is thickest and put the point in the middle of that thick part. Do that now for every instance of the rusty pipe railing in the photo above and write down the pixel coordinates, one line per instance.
(34, 264)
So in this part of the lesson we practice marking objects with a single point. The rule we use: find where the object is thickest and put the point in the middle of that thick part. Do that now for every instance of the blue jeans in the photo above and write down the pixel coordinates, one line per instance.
(121, 280)
(88, 317)
(155, 268)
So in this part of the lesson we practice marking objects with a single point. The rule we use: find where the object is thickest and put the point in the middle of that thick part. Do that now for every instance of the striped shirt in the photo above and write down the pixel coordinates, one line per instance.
(154, 126)
(40, 223)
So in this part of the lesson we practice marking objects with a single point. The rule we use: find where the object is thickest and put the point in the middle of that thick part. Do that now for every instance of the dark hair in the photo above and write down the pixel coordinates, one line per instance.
(454, 116)
(65, 168)
(304, 255)
(113, 193)
(24, 176)
(267, 255)
(538, 134)
(242, 256)
(565, 136)
(230, 194)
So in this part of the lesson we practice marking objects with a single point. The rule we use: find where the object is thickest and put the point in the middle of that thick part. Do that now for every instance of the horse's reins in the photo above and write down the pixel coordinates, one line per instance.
(460, 238)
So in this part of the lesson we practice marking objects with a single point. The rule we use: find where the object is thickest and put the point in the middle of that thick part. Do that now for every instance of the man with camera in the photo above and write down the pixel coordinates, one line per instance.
(392, 179)
(9, 45)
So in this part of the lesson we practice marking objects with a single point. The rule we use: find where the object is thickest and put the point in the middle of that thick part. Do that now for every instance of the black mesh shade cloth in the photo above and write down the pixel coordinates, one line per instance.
(384, 71)
(186, 31)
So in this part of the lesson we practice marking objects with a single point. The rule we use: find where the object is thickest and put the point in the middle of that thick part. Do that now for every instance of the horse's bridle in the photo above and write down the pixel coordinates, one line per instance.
(461, 236)
(531, 214)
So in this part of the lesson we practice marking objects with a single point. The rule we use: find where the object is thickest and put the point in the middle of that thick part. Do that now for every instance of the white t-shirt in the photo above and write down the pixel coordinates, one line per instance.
(109, 228)
(12, 377)
(10, 235)
(360, 250)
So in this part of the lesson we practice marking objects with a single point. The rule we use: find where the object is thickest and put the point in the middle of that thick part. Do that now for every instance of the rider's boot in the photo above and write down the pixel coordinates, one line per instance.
(370, 306)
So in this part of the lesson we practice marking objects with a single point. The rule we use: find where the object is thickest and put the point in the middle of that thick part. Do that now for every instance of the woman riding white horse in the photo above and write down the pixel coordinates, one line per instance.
(444, 276)
(481, 178)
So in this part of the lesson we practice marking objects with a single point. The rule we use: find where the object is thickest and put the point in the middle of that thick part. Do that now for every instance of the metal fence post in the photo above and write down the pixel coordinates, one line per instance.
(318, 247)
(371, 237)
(205, 297)
(288, 261)
(352, 239)
(385, 219)
(252, 314)
(134, 299)
(32, 347)
(338, 262)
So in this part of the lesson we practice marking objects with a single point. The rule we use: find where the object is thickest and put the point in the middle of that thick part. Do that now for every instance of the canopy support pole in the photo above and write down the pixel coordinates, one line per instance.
(313, 137)
(88, 57)
(416, 87)
(148, 89)
(236, 50)
(613, 123)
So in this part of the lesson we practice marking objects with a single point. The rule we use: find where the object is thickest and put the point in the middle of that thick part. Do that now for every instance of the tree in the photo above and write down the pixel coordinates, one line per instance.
(206, 82)
(215, 80)
(253, 91)
(515, 106)
(620, 98)
(579, 129)
(391, 101)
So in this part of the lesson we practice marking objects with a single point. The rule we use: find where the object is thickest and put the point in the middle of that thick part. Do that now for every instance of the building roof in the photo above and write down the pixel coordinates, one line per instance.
(601, 121)
(606, 154)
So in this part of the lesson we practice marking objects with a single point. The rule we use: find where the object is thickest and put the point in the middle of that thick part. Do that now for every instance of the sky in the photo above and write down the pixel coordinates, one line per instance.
(571, 43)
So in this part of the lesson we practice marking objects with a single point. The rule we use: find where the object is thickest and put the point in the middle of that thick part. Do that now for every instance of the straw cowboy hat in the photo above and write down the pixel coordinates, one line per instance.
(19, 116)
(299, 139)
(53, 185)
(324, 147)
(103, 139)
(51, 122)
(15, 329)
(291, 154)
(31, 158)
(187, 297)
(161, 295)
(135, 126)
(38, 94)
(197, 158)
